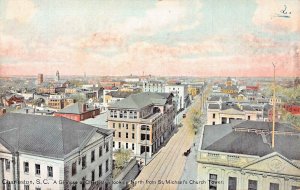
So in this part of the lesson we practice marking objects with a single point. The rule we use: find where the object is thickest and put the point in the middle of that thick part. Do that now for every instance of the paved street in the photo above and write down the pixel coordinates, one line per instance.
(190, 168)
(169, 163)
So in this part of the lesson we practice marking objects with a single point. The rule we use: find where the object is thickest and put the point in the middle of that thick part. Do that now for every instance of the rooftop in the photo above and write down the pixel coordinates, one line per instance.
(140, 100)
(76, 108)
(252, 138)
(43, 135)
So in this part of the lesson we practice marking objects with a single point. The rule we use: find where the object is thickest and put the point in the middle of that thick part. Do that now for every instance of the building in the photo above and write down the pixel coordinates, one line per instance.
(227, 112)
(230, 87)
(239, 156)
(12, 99)
(57, 77)
(78, 112)
(59, 101)
(40, 79)
(293, 108)
(153, 86)
(142, 122)
(51, 150)
(114, 96)
(180, 93)
(2, 110)
(193, 90)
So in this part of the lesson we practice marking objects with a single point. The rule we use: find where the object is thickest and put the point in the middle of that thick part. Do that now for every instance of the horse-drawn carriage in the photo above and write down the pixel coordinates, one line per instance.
(186, 153)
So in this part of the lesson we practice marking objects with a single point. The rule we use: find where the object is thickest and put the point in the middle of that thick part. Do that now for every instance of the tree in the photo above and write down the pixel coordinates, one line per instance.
(79, 97)
(122, 156)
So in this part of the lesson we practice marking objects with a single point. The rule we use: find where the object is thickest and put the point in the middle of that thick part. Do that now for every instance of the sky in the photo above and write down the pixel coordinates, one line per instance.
(238, 38)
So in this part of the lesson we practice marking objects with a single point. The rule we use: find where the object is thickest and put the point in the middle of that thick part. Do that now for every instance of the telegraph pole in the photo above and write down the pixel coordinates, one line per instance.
(274, 105)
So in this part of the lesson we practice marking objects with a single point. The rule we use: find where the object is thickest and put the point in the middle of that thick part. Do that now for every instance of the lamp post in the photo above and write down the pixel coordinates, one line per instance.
(274, 105)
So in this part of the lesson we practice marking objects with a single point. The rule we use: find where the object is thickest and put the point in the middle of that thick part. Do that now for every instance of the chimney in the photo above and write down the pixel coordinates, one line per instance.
(84, 107)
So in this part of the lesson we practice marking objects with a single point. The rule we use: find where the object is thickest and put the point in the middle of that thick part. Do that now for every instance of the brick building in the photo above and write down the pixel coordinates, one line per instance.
(78, 112)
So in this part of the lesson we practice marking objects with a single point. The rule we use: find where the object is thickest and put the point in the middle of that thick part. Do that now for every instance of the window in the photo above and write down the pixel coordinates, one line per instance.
(115, 114)
(133, 127)
(134, 115)
(83, 162)
(100, 151)
(125, 114)
(274, 186)
(126, 145)
(252, 185)
(114, 125)
(119, 134)
(74, 169)
(83, 183)
(212, 181)
(213, 123)
(100, 170)
(37, 169)
(107, 146)
(50, 171)
(132, 135)
(92, 156)
(126, 125)
(26, 167)
(26, 187)
(37, 188)
(119, 144)
(114, 144)
(126, 135)
(121, 114)
(232, 183)
(214, 115)
(130, 115)
(93, 175)
(113, 134)
(132, 146)
(106, 166)
(7, 164)
(119, 125)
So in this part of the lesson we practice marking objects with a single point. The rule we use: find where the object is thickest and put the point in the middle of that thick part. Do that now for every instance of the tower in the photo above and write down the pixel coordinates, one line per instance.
(40, 79)
(57, 76)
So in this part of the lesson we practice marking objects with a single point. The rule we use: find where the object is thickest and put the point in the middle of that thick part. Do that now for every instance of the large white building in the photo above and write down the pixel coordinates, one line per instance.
(153, 86)
(181, 96)
(42, 152)
(239, 156)
(226, 112)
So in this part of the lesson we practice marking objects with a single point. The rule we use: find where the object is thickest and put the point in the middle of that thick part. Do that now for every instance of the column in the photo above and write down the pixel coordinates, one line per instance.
(1, 173)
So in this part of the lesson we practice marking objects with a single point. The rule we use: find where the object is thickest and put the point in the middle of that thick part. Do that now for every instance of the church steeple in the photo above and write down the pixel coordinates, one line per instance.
(57, 76)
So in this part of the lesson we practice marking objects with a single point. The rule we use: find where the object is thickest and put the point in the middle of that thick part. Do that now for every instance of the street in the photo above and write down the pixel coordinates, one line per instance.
(169, 163)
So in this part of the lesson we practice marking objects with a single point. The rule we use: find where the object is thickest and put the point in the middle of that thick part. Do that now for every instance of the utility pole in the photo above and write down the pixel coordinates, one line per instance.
(274, 105)
(146, 146)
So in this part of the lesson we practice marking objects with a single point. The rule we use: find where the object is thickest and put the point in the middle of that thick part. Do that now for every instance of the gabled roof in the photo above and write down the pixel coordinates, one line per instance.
(76, 108)
(119, 94)
(43, 135)
(273, 154)
(140, 100)
(213, 106)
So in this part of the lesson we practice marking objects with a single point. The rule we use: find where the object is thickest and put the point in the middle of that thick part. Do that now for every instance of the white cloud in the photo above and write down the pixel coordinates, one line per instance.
(171, 15)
